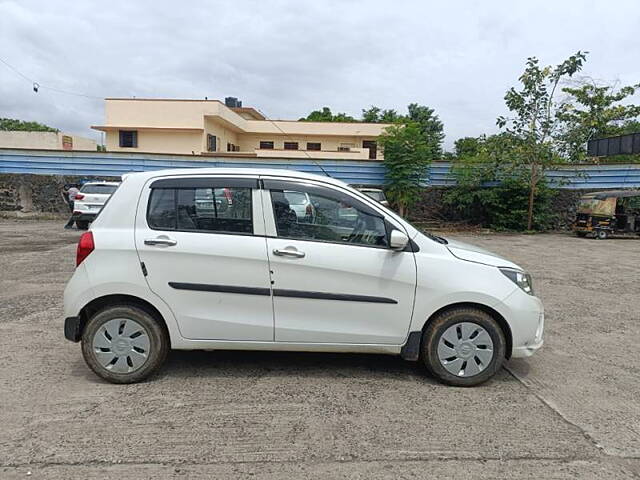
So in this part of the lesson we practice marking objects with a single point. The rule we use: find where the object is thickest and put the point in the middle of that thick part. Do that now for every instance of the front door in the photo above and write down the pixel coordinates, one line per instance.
(334, 278)
(202, 243)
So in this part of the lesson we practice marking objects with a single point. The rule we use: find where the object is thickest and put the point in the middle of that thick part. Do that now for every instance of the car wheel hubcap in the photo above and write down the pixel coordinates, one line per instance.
(121, 345)
(465, 349)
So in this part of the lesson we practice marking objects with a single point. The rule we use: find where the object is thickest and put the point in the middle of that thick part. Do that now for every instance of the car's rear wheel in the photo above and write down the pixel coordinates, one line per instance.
(602, 234)
(463, 347)
(124, 344)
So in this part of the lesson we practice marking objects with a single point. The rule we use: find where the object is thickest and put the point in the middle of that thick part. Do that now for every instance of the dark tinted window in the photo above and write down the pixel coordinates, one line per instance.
(128, 138)
(266, 145)
(328, 217)
(314, 146)
(224, 210)
(162, 209)
(291, 145)
(103, 189)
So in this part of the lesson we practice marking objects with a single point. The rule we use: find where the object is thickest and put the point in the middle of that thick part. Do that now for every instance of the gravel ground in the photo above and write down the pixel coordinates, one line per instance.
(571, 411)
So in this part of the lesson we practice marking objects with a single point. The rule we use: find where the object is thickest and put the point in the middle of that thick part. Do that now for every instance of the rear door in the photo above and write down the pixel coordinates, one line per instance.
(202, 243)
(334, 278)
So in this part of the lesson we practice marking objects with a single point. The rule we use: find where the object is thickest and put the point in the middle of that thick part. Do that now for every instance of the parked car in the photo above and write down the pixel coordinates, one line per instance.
(375, 193)
(604, 213)
(301, 204)
(90, 200)
(154, 273)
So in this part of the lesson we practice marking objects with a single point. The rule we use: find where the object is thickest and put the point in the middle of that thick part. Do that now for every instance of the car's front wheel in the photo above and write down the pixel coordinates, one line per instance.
(124, 344)
(463, 347)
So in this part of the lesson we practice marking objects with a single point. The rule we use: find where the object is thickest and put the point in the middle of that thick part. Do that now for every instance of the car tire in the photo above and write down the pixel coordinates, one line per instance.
(602, 234)
(82, 224)
(463, 347)
(124, 344)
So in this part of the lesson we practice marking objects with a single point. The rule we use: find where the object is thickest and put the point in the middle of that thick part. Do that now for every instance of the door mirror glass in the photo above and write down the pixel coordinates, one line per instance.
(398, 240)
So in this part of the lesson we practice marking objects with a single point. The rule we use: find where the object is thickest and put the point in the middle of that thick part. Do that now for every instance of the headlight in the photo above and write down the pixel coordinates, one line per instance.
(520, 278)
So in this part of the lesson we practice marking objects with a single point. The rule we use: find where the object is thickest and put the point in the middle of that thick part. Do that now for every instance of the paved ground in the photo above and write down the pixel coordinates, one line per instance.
(572, 411)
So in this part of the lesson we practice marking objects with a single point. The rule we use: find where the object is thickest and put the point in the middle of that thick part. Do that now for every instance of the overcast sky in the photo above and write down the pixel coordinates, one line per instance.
(287, 58)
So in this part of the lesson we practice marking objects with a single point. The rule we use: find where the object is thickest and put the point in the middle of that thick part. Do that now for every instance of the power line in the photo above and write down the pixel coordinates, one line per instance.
(37, 86)
(289, 138)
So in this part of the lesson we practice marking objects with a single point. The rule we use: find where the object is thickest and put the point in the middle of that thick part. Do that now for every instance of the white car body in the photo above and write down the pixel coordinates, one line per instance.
(91, 199)
(420, 283)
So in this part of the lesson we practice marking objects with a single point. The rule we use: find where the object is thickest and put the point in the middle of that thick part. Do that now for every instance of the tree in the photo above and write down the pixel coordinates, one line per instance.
(430, 126)
(492, 187)
(325, 115)
(12, 124)
(534, 119)
(407, 155)
(375, 115)
(594, 111)
(466, 147)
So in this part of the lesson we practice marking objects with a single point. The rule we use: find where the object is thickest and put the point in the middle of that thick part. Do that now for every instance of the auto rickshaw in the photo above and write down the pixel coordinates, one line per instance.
(605, 213)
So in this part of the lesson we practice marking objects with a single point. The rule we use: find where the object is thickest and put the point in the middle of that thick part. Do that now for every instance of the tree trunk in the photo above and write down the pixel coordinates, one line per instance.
(532, 194)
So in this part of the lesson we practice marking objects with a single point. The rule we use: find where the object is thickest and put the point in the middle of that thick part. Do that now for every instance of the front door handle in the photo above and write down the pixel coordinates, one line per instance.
(166, 241)
(288, 253)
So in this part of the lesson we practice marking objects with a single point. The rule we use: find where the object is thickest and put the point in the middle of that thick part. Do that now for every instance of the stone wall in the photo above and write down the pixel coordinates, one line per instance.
(36, 193)
(431, 208)
(42, 193)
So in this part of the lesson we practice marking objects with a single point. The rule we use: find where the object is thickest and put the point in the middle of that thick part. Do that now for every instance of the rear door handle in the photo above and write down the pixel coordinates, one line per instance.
(288, 253)
(166, 241)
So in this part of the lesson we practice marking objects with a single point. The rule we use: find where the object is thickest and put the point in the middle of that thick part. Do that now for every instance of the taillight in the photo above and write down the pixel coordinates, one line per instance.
(85, 247)
(309, 210)
(79, 196)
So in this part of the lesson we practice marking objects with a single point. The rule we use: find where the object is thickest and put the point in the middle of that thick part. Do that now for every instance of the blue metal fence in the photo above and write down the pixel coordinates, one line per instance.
(52, 162)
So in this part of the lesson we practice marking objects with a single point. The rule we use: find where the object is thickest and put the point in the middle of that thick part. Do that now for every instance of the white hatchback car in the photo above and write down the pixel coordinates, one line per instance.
(159, 271)
(90, 200)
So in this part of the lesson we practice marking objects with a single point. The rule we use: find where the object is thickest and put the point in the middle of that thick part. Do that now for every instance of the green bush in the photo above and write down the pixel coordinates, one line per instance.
(503, 206)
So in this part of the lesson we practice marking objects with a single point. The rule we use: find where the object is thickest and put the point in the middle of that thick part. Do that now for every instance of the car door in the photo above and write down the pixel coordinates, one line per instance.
(334, 278)
(201, 241)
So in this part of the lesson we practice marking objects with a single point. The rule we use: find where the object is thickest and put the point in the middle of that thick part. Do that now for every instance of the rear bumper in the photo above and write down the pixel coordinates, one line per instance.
(72, 329)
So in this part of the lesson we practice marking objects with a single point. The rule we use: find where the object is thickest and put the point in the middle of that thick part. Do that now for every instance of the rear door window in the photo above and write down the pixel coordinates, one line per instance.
(214, 209)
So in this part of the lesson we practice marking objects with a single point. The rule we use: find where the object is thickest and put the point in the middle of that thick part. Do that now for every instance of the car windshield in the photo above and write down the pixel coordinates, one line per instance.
(99, 188)
(376, 195)
(296, 198)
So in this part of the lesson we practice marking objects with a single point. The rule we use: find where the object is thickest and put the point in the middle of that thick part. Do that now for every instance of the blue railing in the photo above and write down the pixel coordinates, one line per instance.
(51, 162)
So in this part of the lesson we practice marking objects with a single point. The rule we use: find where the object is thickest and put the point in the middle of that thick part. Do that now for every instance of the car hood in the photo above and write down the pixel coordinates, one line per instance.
(472, 253)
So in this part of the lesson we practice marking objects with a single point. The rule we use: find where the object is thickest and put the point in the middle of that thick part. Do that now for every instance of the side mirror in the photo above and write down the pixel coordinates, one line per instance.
(398, 240)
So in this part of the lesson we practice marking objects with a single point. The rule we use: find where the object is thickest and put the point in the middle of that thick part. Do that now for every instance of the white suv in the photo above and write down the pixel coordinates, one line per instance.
(159, 270)
(90, 200)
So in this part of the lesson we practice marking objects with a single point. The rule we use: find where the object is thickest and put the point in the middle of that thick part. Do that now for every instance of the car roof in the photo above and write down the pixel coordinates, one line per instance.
(270, 172)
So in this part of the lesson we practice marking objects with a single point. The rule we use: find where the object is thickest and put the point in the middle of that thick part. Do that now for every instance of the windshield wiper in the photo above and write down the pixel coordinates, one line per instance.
(436, 238)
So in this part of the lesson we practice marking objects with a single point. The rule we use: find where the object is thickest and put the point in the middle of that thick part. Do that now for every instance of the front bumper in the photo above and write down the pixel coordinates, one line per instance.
(525, 315)
(72, 329)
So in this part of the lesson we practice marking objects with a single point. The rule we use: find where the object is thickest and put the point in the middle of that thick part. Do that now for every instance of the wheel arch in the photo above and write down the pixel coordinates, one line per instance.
(104, 301)
(504, 326)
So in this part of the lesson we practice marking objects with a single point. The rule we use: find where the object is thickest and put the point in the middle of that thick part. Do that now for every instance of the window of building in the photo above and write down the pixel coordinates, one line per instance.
(314, 146)
(128, 138)
(212, 143)
(266, 145)
(324, 215)
(345, 147)
(210, 210)
(291, 145)
(373, 148)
